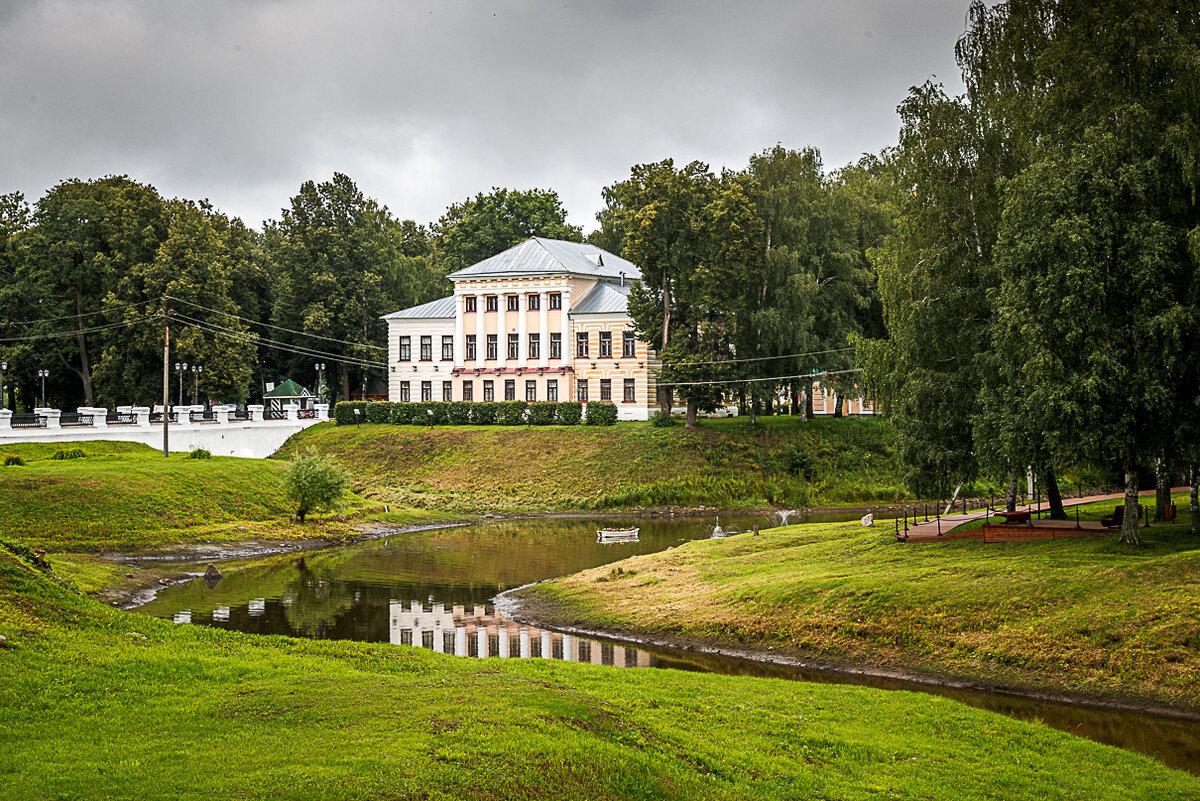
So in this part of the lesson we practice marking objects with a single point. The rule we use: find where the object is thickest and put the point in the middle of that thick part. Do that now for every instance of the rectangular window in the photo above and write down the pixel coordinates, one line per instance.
(581, 390)
(405, 395)
(426, 349)
(490, 302)
(512, 302)
(468, 303)
(556, 346)
(552, 390)
(606, 389)
(555, 300)
(514, 342)
(468, 391)
(471, 351)
(535, 302)
(426, 391)
(489, 391)
(510, 389)
(628, 396)
(535, 346)
(447, 348)
(581, 345)
(627, 345)
(606, 344)
(447, 391)
(405, 349)
(530, 391)
(491, 346)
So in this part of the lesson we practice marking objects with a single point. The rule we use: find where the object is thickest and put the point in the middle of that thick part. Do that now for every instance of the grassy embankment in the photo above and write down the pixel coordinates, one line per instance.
(517, 469)
(127, 497)
(100, 703)
(1087, 615)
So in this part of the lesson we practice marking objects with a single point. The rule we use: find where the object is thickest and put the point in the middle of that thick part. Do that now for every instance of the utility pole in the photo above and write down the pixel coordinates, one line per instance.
(166, 377)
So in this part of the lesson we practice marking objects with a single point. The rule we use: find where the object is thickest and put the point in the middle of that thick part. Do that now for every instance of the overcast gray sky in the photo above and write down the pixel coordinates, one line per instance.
(424, 104)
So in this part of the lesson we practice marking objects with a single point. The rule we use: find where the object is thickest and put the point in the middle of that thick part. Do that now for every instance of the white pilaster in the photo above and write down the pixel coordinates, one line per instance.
(522, 330)
(460, 340)
(480, 336)
(544, 327)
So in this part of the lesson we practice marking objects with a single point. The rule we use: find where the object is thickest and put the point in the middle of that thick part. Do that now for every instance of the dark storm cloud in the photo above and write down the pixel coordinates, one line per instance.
(425, 104)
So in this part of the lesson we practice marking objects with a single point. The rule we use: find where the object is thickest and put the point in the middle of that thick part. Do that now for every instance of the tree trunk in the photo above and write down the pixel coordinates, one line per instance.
(794, 395)
(1194, 498)
(808, 400)
(768, 407)
(690, 420)
(753, 407)
(741, 402)
(1010, 500)
(1162, 488)
(85, 371)
(1053, 497)
(1131, 532)
(837, 404)
(345, 382)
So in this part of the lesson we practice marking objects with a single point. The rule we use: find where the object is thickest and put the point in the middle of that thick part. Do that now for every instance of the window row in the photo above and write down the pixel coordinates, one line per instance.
(583, 345)
(533, 302)
(426, 343)
(512, 346)
(510, 390)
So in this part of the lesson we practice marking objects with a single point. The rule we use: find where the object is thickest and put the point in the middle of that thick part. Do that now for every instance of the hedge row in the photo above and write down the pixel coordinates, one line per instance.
(461, 413)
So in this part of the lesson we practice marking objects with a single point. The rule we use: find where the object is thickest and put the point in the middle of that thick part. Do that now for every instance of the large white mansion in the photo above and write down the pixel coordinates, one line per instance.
(546, 320)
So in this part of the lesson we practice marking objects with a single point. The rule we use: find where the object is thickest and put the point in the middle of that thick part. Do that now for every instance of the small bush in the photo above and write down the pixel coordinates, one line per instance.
(402, 413)
(314, 483)
(200, 453)
(601, 413)
(512, 413)
(68, 453)
(660, 420)
(379, 412)
(542, 413)
(570, 413)
(343, 412)
(459, 413)
(12, 460)
(422, 416)
(484, 414)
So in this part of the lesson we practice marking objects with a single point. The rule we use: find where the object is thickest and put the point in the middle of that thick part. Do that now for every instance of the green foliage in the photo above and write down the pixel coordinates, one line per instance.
(569, 413)
(402, 413)
(459, 413)
(542, 413)
(485, 225)
(484, 414)
(343, 412)
(314, 483)
(661, 420)
(512, 413)
(601, 413)
(68, 453)
(378, 412)
(430, 413)
(200, 453)
(13, 460)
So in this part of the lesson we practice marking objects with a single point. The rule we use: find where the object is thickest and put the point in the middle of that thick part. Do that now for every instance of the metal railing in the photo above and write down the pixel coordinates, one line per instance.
(120, 418)
(28, 421)
(74, 419)
(202, 417)
(274, 414)
(307, 414)
(239, 414)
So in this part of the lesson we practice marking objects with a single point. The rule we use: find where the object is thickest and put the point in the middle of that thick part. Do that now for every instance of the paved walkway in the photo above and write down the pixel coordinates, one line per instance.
(937, 528)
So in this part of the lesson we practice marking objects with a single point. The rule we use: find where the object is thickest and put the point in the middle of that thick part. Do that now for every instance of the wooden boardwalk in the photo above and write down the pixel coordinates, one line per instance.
(941, 529)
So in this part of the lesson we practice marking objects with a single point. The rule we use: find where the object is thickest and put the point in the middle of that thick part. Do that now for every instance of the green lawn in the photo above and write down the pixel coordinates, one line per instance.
(101, 704)
(1083, 615)
(725, 463)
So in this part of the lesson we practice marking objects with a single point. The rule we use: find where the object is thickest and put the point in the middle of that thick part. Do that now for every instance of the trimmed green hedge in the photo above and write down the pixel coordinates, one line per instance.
(507, 413)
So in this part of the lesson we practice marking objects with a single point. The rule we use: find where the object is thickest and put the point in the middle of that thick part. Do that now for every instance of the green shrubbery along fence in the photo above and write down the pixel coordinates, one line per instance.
(461, 413)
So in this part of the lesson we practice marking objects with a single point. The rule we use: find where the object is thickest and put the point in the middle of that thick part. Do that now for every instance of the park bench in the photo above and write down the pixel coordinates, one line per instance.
(1118, 517)
(1013, 518)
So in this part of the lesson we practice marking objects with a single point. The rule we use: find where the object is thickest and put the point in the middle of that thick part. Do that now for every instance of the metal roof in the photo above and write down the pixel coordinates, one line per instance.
(287, 389)
(440, 309)
(538, 256)
(603, 298)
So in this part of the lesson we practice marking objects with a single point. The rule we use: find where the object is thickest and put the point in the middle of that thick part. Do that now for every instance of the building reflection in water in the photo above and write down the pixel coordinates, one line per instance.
(477, 631)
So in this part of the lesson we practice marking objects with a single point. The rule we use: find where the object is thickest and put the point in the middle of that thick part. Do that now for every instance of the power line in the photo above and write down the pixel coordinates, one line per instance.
(56, 334)
(758, 358)
(278, 327)
(83, 314)
(250, 337)
(752, 380)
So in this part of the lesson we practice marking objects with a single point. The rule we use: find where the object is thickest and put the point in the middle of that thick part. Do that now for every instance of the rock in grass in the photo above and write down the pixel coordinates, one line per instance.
(868, 519)
(212, 572)
(3, 641)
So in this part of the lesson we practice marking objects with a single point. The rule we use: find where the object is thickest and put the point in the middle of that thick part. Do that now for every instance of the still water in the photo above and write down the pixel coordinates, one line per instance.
(433, 589)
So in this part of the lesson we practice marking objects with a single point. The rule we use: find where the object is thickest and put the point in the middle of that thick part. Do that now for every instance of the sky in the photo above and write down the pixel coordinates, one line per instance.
(424, 104)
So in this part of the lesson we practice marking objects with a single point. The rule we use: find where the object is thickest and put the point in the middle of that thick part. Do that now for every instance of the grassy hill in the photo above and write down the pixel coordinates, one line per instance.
(100, 703)
(725, 463)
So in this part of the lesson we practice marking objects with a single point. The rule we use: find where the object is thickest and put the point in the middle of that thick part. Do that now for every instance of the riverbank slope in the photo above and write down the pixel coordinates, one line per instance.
(1083, 616)
(101, 703)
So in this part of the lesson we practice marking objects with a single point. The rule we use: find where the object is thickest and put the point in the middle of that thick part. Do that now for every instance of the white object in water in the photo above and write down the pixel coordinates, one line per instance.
(868, 519)
(612, 536)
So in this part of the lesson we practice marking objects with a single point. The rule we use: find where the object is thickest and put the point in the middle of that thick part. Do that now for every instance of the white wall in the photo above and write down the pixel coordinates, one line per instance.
(251, 440)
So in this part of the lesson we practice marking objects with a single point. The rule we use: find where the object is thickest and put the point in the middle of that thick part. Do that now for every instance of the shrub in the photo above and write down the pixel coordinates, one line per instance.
(484, 414)
(542, 413)
(512, 413)
(421, 416)
(314, 483)
(459, 413)
(12, 460)
(402, 413)
(68, 453)
(200, 453)
(379, 412)
(601, 413)
(569, 413)
(660, 420)
(343, 412)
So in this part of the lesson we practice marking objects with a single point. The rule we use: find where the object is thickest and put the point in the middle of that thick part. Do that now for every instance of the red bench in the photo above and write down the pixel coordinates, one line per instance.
(1013, 517)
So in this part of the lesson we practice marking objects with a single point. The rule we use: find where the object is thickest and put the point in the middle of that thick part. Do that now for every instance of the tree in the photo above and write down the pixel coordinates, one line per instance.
(14, 222)
(314, 483)
(485, 225)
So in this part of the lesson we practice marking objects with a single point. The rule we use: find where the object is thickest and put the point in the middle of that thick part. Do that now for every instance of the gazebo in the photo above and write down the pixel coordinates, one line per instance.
(288, 392)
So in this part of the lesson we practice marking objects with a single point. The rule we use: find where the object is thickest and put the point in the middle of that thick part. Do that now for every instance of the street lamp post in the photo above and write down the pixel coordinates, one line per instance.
(320, 367)
(43, 374)
(181, 369)
(197, 369)
(3, 369)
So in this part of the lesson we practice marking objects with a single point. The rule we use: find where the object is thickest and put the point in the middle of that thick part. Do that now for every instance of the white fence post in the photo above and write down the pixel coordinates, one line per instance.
(99, 416)
(52, 417)
(5, 419)
(322, 410)
(254, 413)
(141, 415)
(293, 412)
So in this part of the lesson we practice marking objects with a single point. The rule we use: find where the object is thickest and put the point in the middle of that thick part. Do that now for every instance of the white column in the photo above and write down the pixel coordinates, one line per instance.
(480, 336)
(568, 648)
(52, 416)
(99, 416)
(544, 326)
(141, 415)
(481, 636)
(323, 410)
(460, 341)
(525, 643)
(5, 419)
(439, 640)
(522, 331)
(292, 411)
(566, 325)
(547, 646)
(502, 651)
(502, 329)
(460, 641)
(254, 412)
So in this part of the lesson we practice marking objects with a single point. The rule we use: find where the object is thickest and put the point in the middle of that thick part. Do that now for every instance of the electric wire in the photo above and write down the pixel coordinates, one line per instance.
(77, 332)
(276, 327)
(255, 339)
(759, 358)
(754, 380)
(83, 314)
